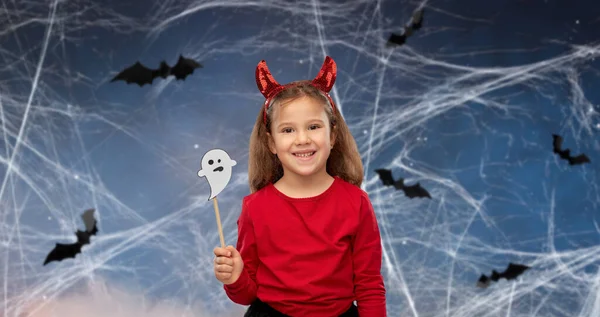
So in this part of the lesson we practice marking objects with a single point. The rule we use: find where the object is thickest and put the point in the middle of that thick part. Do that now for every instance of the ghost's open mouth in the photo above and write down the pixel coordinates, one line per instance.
(218, 169)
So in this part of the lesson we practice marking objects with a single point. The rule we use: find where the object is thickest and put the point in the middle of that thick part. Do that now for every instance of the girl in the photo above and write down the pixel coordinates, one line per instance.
(308, 240)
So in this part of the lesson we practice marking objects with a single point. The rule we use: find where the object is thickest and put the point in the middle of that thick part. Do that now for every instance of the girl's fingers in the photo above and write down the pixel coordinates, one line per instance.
(223, 260)
(224, 268)
(223, 275)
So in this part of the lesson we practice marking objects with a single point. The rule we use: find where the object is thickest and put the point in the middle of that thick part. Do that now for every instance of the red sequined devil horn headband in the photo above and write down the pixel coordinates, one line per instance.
(269, 87)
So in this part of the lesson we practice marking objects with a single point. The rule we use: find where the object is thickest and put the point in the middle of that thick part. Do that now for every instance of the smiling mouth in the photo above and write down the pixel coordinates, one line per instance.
(304, 155)
(218, 169)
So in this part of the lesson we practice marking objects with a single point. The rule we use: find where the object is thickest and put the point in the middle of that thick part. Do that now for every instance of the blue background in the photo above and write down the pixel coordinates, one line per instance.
(467, 108)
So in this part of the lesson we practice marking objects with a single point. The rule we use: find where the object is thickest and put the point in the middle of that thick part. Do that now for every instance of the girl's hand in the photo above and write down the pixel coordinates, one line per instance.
(228, 264)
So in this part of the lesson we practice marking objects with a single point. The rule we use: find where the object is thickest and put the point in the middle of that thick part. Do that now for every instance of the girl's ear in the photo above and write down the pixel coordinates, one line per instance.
(271, 143)
(333, 136)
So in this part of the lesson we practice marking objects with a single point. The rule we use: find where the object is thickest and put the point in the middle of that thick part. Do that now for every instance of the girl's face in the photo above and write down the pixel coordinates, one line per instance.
(301, 137)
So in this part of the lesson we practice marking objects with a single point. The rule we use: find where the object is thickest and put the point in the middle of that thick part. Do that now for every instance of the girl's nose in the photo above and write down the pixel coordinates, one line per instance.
(302, 138)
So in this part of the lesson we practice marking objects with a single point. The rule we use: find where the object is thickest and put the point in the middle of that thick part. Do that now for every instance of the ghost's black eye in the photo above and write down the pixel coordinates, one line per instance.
(219, 161)
(210, 162)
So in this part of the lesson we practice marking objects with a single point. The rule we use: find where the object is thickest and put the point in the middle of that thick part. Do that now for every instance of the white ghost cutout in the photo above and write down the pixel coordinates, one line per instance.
(216, 167)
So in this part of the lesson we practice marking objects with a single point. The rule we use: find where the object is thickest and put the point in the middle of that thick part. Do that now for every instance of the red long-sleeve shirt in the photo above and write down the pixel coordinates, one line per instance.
(310, 256)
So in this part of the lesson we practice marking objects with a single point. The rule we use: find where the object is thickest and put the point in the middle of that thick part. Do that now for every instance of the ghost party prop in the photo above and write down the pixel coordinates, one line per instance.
(216, 168)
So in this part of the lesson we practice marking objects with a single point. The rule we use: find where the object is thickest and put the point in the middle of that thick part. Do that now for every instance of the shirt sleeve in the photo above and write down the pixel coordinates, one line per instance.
(366, 256)
(243, 291)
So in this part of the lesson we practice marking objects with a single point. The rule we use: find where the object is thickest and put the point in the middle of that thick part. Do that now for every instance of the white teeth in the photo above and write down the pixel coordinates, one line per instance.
(305, 154)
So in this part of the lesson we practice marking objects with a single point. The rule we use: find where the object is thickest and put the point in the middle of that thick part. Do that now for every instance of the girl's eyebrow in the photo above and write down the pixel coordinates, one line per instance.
(309, 121)
(283, 123)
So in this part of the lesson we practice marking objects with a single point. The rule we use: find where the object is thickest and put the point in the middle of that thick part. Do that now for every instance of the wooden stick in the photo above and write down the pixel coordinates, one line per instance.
(216, 205)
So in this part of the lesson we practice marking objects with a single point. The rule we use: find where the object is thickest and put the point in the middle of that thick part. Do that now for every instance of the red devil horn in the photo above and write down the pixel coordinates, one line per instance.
(265, 81)
(326, 77)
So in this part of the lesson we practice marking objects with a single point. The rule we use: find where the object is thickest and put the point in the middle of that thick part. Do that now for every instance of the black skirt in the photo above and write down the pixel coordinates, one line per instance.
(262, 309)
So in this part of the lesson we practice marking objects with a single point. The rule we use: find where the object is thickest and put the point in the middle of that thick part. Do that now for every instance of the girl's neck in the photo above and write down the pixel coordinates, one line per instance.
(301, 186)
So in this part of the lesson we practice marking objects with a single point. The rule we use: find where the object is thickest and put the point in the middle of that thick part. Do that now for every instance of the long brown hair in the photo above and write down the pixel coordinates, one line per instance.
(264, 167)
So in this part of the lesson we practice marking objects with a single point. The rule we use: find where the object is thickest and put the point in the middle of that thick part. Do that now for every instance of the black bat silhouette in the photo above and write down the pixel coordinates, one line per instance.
(415, 24)
(565, 154)
(141, 75)
(410, 191)
(512, 272)
(417, 19)
(64, 251)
